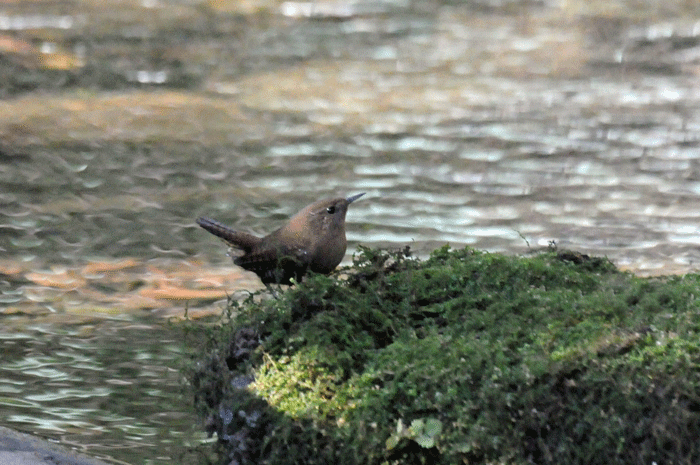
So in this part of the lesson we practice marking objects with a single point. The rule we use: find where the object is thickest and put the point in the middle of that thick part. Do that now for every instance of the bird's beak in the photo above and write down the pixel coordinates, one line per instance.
(354, 197)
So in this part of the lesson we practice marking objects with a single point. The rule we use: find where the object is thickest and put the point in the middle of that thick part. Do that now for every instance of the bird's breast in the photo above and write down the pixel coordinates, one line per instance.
(328, 253)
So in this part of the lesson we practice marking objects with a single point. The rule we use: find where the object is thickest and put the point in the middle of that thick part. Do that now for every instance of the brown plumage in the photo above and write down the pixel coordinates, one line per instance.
(312, 240)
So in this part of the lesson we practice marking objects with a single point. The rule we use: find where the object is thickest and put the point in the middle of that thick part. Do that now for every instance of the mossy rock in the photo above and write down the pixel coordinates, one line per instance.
(466, 357)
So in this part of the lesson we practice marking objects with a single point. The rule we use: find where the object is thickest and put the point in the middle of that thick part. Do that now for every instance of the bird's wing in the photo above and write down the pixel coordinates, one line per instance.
(271, 256)
(276, 264)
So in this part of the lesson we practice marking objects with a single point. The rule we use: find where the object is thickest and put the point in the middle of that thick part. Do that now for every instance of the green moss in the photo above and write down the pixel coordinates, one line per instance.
(466, 357)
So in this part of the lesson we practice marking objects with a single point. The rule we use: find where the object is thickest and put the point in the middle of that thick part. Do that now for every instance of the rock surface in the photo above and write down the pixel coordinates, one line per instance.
(23, 449)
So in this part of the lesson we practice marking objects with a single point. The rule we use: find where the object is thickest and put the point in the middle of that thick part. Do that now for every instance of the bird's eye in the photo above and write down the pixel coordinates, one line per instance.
(331, 209)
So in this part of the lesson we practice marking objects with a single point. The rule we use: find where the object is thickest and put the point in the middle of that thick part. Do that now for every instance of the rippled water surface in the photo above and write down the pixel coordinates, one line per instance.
(106, 386)
(502, 125)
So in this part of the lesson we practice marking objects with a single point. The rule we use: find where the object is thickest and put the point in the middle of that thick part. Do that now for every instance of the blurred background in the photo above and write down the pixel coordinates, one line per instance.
(504, 125)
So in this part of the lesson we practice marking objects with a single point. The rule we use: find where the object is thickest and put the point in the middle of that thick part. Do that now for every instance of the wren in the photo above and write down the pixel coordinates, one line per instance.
(313, 240)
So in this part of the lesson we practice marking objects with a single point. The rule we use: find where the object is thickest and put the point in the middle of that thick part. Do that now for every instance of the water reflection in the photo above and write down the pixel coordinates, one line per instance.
(24, 22)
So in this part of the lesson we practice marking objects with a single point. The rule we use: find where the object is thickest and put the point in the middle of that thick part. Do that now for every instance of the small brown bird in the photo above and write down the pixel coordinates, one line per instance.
(312, 240)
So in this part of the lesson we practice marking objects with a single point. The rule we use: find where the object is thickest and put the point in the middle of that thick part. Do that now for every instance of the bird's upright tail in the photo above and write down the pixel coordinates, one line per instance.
(235, 238)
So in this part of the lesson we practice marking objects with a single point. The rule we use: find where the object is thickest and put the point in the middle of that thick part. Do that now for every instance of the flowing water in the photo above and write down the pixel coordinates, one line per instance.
(107, 387)
(503, 125)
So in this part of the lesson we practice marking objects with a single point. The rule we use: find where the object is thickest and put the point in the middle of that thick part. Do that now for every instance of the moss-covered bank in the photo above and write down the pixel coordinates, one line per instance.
(466, 357)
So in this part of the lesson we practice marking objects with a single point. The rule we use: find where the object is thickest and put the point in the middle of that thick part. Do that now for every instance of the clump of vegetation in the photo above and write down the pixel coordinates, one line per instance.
(466, 357)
